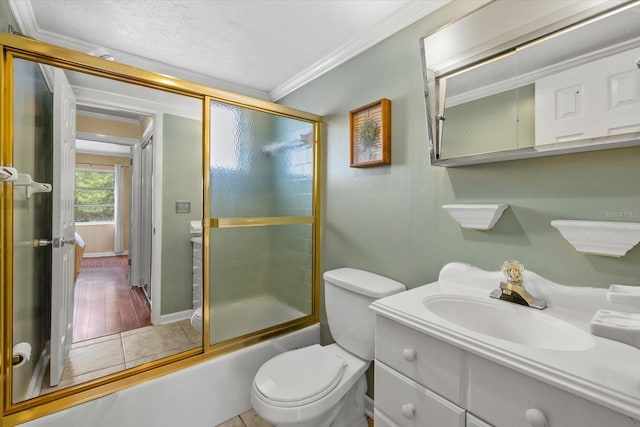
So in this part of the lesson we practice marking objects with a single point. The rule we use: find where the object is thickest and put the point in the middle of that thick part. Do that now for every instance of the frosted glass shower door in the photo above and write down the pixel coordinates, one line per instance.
(262, 221)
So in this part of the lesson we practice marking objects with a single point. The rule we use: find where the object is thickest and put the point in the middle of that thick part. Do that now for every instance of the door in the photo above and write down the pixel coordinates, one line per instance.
(63, 226)
(146, 224)
(141, 215)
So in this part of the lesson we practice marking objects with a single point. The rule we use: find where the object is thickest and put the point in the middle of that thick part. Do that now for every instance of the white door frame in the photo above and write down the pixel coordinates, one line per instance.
(100, 98)
(95, 97)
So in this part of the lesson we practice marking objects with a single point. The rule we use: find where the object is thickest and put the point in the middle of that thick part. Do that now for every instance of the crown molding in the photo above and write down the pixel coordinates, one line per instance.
(23, 13)
(108, 117)
(404, 16)
(24, 16)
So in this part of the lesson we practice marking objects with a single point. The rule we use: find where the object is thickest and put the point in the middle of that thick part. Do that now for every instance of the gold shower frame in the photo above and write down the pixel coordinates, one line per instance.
(14, 46)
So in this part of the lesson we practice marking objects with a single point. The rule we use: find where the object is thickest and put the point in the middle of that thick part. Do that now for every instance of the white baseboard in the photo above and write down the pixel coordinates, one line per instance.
(35, 385)
(98, 254)
(368, 406)
(175, 317)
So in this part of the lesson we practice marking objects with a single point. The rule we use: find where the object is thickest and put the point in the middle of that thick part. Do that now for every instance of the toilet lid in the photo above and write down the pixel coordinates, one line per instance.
(300, 376)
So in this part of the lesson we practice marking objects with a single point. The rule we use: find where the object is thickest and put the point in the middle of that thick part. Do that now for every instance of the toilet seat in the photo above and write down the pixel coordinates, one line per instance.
(299, 377)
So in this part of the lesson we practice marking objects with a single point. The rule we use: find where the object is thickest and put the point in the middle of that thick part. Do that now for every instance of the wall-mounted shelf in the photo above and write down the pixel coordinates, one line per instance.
(476, 216)
(607, 238)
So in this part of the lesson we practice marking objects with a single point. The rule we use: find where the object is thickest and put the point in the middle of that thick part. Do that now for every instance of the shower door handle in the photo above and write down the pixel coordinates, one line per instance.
(37, 243)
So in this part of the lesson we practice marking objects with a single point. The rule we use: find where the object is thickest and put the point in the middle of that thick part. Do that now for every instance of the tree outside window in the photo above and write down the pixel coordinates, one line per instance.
(95, 196)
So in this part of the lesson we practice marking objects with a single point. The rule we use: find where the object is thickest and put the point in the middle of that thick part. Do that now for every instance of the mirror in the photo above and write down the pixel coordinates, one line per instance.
(125, 170)
(566, 87)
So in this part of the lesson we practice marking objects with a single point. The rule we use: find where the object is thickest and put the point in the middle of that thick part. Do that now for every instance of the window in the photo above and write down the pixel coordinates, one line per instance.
(95, 196)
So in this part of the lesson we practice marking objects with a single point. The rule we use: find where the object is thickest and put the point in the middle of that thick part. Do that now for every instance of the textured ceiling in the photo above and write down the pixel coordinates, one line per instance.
(260, 45)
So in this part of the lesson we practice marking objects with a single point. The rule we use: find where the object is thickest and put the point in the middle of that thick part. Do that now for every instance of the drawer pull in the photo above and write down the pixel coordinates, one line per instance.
(536, 418)
(408, 410)
(409, 354)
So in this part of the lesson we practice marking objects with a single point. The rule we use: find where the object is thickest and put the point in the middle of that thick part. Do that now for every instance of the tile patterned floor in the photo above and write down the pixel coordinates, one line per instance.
(247, 419)
(105, 355)
(251, 419)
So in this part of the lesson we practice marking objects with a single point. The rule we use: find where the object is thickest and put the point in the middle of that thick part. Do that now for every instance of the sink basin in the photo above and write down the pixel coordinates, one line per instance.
(509, 322)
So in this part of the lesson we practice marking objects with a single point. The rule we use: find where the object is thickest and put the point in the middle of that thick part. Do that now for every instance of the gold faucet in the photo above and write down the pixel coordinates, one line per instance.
(512, 290)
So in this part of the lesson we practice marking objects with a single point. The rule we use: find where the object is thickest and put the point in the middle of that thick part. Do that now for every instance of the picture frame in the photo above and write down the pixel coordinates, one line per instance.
(370, 134)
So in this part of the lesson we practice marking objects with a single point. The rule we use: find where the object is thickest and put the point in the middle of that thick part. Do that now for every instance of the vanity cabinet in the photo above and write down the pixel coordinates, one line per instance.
(196, 243)
(421, 381)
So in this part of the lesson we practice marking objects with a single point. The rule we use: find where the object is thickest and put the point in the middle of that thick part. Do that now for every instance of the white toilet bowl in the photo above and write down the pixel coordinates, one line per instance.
(323, 386)
(320, 386)
(196, 319)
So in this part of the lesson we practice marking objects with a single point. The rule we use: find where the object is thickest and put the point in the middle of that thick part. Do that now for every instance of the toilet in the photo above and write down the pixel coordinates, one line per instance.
(322, 386)
(196, 319)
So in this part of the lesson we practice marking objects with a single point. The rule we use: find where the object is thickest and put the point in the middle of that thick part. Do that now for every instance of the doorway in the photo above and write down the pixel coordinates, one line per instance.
(113, 197)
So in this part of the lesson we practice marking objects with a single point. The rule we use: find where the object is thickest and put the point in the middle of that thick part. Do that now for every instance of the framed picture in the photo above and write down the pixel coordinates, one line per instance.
(370, 127)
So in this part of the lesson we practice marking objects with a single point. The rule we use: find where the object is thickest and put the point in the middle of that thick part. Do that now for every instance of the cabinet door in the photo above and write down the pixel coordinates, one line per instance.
(621, 85)
(473, 421)
(600, 98)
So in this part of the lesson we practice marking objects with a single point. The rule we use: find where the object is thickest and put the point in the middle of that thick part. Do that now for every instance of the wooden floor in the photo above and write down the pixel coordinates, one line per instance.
(104, 303)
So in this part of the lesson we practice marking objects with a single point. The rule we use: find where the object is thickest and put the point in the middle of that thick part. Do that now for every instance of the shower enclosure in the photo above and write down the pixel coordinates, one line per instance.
(258, 185)
(261, 243)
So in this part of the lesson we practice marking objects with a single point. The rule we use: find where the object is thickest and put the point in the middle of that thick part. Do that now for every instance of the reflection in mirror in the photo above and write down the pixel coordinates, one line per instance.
(576, 89)
(124, 164)
(478, 124)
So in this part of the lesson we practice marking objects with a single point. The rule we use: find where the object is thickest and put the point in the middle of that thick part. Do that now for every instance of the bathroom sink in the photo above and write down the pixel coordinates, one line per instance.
(510, 322)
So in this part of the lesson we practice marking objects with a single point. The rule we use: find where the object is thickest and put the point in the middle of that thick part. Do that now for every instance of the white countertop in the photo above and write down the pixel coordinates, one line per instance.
(608, 372)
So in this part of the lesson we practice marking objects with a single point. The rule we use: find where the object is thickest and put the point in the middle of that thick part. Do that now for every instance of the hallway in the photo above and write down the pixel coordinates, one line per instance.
(104, 303)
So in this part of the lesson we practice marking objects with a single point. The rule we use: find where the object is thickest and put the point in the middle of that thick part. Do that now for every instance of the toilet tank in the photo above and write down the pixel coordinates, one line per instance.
(348, 292)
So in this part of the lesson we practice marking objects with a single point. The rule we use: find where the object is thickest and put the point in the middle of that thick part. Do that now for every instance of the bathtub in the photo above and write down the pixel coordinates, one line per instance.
(203, 395)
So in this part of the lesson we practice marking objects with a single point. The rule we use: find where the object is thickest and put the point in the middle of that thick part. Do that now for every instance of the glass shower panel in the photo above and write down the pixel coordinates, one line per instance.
(261, 256)
(261, 164)
(32, 154)
(259, 277)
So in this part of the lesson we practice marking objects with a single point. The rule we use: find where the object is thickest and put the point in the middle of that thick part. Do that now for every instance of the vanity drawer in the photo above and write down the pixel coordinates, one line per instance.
(197, 265)
(197, 271)
(197, 250)
(408, 404)
(502, 397)
(473, 421)
(379, 420)
(432, 363)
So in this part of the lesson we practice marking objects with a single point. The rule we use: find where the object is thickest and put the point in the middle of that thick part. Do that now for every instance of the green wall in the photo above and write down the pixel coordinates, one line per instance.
(181, 180)
(503, 121)
(389, 219)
